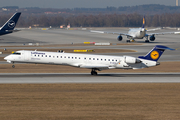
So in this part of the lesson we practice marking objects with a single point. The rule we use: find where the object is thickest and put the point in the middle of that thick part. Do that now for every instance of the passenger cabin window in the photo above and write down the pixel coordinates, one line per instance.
(16, 53)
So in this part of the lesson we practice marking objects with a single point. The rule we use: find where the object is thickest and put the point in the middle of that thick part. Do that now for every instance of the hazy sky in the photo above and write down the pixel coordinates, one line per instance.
(81, 3)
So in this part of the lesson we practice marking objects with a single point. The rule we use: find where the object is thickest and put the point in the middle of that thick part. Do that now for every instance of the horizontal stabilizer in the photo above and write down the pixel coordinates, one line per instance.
(163, 47)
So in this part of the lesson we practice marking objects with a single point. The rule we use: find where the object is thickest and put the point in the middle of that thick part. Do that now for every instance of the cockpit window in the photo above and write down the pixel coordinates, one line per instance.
(16, 53)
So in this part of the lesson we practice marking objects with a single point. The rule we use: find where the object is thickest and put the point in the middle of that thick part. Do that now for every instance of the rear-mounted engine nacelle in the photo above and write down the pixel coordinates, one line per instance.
(131, 60)
(120, 38)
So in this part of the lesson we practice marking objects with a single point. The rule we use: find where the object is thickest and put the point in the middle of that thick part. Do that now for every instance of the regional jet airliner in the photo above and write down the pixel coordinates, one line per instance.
(93, 62)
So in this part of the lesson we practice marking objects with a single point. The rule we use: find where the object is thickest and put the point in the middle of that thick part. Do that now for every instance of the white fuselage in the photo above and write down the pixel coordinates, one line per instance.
(90, 61)
(137, 33)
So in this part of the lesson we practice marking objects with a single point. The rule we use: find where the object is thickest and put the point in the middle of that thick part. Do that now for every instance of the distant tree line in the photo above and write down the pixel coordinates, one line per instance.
(100, 20)
(150, 9)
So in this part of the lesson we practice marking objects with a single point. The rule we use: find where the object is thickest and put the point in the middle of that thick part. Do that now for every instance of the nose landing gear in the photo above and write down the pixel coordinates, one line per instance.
(131, 40)
(13, 66)
(146, 41)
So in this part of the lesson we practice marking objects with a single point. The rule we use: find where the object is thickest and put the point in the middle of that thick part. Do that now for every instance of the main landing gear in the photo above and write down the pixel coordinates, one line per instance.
(93, 72)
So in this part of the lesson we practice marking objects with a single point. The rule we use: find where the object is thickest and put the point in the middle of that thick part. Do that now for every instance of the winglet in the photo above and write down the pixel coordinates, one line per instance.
(11, 23)
(155, 53)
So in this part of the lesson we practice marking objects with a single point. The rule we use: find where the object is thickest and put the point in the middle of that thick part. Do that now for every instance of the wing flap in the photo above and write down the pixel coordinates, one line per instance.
(95, 66)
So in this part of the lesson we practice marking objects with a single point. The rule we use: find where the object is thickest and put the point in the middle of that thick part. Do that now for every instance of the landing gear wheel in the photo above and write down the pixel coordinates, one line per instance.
(128, 41)
(93, 72)
(147, 41)
(13, 66)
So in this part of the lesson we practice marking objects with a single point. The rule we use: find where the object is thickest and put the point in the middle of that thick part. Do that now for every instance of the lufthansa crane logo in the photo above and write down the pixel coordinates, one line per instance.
(11, 24)
(154, 55)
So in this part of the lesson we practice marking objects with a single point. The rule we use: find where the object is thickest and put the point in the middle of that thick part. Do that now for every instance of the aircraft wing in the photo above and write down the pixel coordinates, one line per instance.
(154, 29)
(162, 33)
(106, 32)
(98, 66)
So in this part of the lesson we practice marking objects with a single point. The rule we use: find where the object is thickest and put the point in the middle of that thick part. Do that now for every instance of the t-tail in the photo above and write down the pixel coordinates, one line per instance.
(9, 26)
(155, 53)
(143, 25)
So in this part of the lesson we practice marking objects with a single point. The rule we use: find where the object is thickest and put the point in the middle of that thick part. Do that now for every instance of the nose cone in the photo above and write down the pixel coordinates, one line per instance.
(8, 58)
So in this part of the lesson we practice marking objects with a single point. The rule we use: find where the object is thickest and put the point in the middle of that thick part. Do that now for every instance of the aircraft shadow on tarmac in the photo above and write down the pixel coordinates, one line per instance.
(151, 42)
(140, 75)
(88, 75)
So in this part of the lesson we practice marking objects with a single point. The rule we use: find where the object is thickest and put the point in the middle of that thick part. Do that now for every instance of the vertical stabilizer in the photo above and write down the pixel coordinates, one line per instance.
(11, 23)
(155, 53)
(143, 25)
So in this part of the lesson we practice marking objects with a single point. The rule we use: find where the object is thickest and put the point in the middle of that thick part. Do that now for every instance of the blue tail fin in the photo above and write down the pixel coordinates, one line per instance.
(155, 53)
(11, 23)
(143, 25)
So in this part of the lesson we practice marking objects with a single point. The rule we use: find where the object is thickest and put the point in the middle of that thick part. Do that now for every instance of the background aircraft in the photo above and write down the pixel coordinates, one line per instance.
(138, 33)
(94, 62)
(9, 26)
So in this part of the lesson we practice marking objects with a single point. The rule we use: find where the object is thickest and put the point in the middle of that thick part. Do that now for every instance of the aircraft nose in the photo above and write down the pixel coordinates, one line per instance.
(7, 58)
